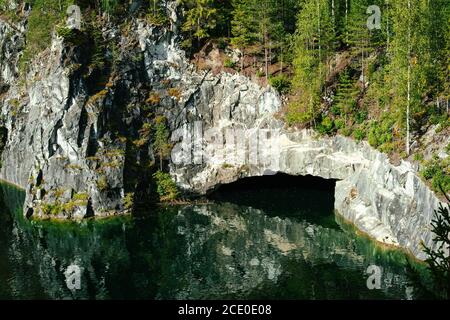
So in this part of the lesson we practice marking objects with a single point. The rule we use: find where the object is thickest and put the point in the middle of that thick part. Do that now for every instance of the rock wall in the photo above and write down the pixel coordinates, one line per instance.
(71, 142)
(77, 141)
(389, 203)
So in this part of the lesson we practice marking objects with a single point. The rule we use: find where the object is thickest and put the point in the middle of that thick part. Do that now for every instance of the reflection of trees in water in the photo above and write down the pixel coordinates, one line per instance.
(207, 251)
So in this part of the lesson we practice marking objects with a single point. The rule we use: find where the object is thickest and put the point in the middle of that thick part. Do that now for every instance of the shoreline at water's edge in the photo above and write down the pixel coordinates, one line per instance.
(379, 244)
(79, 220)
(12, 184)
(347, 222)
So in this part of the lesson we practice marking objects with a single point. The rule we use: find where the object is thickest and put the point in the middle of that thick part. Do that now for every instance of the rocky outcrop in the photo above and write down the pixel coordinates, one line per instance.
(12, 40)
(77, 138)
(390, 203)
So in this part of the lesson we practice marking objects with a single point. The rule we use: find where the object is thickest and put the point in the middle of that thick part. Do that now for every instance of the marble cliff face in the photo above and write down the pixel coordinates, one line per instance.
(68, 140)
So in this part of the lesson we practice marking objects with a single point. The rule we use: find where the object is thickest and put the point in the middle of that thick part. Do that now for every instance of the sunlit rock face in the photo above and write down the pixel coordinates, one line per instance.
(389, 203)
(68, 139)
(12, 38)
(70, 142)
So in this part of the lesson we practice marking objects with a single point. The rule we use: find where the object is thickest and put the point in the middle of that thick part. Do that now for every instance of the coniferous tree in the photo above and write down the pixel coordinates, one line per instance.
(345, 99)
(438, 259)
(109, 6)
(313, 43)
(200, 19)
(358, 38)
(242, 27)
(161, 143)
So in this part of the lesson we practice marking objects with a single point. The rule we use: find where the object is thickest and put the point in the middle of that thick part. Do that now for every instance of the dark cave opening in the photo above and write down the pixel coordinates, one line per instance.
(305, 197)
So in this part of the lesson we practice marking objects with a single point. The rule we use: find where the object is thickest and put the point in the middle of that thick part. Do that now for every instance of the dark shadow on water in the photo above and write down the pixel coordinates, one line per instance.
(302, 197)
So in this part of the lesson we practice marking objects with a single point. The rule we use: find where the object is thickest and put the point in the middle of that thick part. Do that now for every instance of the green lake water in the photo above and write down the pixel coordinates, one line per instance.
(252, 242)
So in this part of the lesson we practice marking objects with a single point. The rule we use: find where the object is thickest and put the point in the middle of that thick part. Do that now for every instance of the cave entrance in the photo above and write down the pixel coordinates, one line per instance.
(304, 197)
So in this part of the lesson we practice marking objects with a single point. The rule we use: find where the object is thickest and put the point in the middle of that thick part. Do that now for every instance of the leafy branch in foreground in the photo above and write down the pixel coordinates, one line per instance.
(439, 259)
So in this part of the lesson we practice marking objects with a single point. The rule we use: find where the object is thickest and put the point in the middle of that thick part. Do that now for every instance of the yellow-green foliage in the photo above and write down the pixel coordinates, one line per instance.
(58, 192)
(15, 106)
(140, 142)
(156, 15)
(437, 171)
(153, 99)
(128, 200)
(73, 166)
(81, 197)
(166, 187)
(102, 183)
(44, 16)
(52, 209)
(114, 153)
(99, 96)
(72, 36)
(175, 93)
(145, 130)
(161, 143)
(144, 135)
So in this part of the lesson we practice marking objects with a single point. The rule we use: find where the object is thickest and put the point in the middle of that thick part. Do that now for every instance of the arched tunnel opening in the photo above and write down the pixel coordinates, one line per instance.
(304, 197)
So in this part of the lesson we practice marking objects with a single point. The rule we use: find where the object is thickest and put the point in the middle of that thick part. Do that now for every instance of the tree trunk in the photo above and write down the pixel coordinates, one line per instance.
(319, 31)
(346, 22)
(408, 102)
(363, 47)
(281, 60)
(387, 27)
(266, 56)
(333, 16)
(242, 60)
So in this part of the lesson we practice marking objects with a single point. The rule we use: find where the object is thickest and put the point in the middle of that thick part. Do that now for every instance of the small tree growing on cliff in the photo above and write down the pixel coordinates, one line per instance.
(439, 259)
(161, 144)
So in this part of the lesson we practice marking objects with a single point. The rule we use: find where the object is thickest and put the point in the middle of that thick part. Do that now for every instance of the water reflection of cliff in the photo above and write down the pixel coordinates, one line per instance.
(37, 254)
(204, 251)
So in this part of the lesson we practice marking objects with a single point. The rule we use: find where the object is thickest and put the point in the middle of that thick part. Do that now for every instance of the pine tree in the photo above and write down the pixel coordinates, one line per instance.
(313, 44)
(438, 259)
(286, 16)
(200, 19)
(358, 32)
(242, 27)
(161, 144)
(345, 95)
(265, 26)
